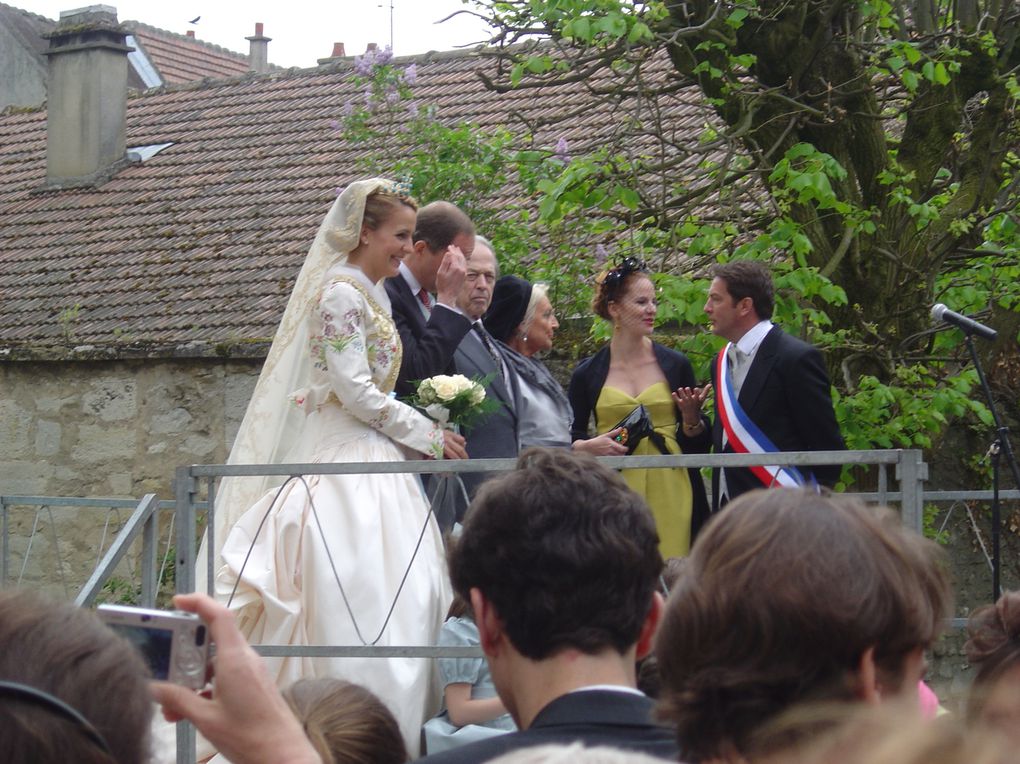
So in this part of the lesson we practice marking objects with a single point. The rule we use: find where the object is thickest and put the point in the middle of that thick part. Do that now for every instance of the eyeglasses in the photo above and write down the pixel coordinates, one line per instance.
(615, 276)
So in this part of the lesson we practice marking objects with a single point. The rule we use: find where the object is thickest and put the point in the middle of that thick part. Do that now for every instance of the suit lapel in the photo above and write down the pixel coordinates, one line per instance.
(473, 351)
(760, 369)
(410, 302)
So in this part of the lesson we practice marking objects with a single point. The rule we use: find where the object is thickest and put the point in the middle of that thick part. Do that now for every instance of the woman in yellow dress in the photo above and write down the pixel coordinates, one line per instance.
(633, 370)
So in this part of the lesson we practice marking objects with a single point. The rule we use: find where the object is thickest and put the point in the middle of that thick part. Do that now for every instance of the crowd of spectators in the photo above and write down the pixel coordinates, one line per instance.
(795, 631)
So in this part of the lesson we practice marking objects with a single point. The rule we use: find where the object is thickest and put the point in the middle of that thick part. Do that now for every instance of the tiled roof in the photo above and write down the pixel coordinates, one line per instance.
(179, 58)
(195, 249)
(28, 27)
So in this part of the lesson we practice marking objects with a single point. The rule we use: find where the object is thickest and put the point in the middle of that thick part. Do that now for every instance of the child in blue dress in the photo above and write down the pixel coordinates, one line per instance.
(471, 708)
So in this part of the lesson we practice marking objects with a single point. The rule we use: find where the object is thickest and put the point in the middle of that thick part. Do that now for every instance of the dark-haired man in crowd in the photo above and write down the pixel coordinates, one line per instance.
(423, 296)
(559, 560)
(772, 391)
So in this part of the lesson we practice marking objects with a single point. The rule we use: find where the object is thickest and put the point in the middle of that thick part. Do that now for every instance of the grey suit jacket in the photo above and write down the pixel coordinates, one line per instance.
(495, 435)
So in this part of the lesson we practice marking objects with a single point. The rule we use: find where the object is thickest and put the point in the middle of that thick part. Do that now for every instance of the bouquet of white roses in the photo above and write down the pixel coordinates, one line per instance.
(453, 399)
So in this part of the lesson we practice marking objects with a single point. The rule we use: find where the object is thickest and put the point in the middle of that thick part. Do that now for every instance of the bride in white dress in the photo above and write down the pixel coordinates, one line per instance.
(333, 550)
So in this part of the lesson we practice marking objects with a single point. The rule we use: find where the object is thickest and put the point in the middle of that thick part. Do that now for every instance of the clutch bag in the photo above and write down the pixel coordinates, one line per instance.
(635, 426)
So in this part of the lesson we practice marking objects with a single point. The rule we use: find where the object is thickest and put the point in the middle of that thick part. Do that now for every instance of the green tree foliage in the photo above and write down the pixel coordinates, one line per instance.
(867, 149)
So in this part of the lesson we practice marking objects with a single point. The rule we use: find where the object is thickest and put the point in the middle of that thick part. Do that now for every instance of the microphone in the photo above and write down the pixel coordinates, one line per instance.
(969, 326)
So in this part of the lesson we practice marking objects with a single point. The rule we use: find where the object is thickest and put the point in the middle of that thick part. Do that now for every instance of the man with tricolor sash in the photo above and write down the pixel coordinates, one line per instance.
(772, 391)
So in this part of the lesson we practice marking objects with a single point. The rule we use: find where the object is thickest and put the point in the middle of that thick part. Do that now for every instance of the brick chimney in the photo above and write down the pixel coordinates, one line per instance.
(87, 95)
(338, 52)
(258, 54)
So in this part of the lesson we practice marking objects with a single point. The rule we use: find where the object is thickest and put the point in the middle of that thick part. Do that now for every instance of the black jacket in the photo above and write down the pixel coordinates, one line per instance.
(586, 384)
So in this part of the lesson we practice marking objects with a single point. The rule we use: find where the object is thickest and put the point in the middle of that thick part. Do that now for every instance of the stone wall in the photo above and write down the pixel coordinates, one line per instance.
(106, 429)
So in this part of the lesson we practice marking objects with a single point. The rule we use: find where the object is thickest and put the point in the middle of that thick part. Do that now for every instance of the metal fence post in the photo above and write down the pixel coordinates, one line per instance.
(911, 471)
(184, 493)
(5, 549)
(150, 553)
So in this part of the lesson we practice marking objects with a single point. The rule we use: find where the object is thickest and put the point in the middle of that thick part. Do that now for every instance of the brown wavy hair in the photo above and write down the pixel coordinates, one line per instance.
(379, 205)
(993, 647)
(67, 652)
(345, 722)
(781, 597)
(612, 284)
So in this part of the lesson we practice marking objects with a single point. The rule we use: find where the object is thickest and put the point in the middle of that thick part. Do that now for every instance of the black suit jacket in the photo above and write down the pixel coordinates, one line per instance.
(592, 717)
(494, 436)
(787, 394)
(586, 384)
(428, 346)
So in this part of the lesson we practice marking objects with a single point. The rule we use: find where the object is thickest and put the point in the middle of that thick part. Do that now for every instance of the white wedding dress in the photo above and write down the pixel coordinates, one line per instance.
(371, 525)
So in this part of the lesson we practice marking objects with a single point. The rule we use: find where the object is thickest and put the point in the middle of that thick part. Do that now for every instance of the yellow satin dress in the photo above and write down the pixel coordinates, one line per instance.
(667, 491)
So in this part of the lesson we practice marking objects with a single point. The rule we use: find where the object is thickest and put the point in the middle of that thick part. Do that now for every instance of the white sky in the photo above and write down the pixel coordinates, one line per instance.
(302, 31)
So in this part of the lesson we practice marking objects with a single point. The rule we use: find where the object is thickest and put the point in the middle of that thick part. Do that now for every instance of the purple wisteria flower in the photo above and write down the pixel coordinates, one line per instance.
(384, 56)
(601, 253)
(392, 96)
(412, 109)
(363, 64)
(348, 108)
(410, 74)
(334, 125)
(367, 93)
(562, 151)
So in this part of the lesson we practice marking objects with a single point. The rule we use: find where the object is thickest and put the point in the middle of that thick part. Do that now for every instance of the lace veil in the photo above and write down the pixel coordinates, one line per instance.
(273, 429)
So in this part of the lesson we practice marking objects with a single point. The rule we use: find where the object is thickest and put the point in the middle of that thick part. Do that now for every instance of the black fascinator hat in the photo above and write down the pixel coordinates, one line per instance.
(510, 297)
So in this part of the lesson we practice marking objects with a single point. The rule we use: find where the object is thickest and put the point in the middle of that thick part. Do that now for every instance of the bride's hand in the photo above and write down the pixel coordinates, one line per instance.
(454, 445)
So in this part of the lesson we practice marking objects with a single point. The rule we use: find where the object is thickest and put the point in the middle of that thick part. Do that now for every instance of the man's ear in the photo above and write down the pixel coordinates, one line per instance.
(868, 688)
(490, 626)
(646, 640)
(419, 247)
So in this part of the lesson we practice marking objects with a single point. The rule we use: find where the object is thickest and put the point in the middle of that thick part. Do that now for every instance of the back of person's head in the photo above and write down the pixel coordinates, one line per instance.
(439, 223)
(346, 723)
(783, 595)
(569, 753)
(993, 648)
(564, 550)
(748, 278)
(896, 735)
(70, 689)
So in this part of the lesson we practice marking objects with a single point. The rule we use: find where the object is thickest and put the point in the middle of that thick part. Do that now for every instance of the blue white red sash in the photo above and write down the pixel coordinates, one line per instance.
(743, 435)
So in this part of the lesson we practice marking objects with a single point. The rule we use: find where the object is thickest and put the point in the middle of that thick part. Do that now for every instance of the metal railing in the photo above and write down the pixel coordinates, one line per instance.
(142, 521)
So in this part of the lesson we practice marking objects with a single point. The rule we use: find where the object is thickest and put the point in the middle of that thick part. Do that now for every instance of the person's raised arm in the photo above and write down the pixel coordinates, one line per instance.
(245, 716)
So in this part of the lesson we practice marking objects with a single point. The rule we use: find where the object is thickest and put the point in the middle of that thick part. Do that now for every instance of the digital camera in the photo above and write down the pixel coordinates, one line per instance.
(173, 643)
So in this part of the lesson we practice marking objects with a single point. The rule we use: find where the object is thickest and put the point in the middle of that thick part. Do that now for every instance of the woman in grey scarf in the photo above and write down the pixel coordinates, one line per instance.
(522, 319)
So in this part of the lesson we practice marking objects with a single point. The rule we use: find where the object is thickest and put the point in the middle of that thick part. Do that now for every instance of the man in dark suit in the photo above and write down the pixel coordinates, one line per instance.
(560, 560)
(423, 296)
(495, 435)
(774, 381)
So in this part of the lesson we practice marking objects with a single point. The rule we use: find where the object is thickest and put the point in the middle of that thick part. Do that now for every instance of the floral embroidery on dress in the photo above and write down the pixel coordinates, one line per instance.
(335, 339)
(436, 443)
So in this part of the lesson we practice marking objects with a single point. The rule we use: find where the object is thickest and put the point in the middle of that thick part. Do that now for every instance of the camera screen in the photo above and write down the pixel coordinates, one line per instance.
(154, 645)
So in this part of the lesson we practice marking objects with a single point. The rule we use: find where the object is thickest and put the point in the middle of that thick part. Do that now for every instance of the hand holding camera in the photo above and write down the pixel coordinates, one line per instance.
(174, 644)
(246, 718)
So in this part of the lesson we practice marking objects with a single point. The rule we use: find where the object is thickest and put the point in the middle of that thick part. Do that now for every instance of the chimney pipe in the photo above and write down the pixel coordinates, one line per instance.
(190, 33)
(86, 94)
(338, 50)
(258, 50)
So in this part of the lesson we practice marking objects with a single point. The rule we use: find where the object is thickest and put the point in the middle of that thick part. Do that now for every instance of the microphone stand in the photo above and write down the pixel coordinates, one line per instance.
(1000, 444)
